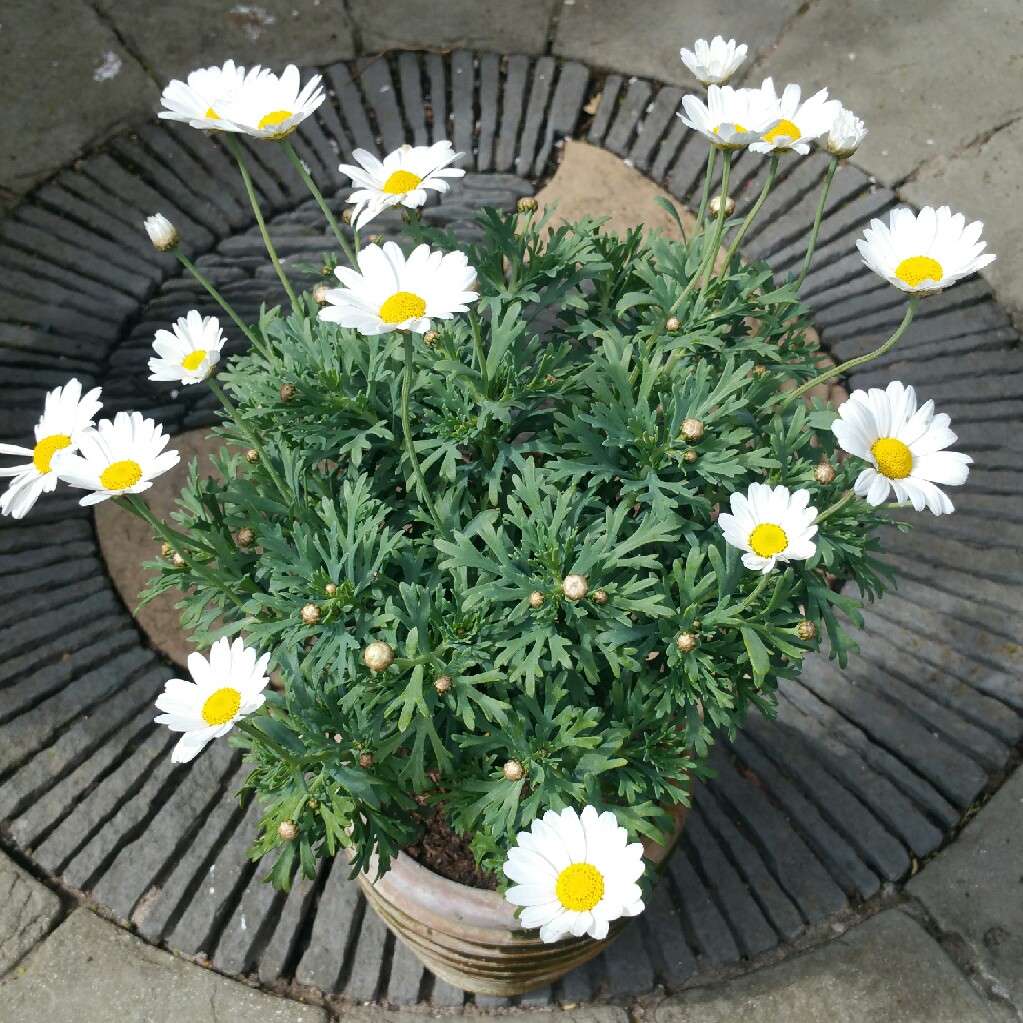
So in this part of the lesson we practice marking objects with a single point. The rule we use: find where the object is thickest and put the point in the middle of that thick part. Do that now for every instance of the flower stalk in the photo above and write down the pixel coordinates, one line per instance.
(832, 167)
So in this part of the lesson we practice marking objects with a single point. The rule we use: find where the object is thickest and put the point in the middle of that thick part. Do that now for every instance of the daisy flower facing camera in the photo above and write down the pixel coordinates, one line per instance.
(400, 180)
(268, 107)
(117, 458)
(924, 252)
(198, 100)
(188, 353)
(715, 62)
(67, 415)
(392, 293)
(770, 524)
(223, 690)
(575, 874)
(731, 118)
(796, 123)
(904, 445)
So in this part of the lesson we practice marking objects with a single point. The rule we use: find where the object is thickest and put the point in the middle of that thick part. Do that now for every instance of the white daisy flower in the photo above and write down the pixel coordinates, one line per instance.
(400, 180)
(731, 118)
(67, 415)
(576, 873)
(904, 445)
(797, 123)
(162, 233)
(189, 354)
(223, 690)
(198, 100)
(923, 252)
(715, 62)
(770, 524)
(394, 294)
(119, 457)
(847, 132)
(268, 107)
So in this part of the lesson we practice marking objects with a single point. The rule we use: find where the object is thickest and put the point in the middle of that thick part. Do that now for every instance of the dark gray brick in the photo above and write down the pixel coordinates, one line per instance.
(512, 101)
(349, 100)
(463, 91)
(713, 937)
(406, 977)
(490, 91)
(657, 117)
(438, 118)
(281, 945)
(410, 75)
(627, 964)
(368, 959)
(378, 88)
(340, 909)
(544, 73)
(605, 110)
(636, 99)
(666, 938)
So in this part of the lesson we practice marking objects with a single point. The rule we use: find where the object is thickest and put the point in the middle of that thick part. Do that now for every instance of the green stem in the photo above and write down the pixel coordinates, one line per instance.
(760, 587)
(772, 173)
(318, 196)
(845, 367)
(711, 157)
(832, 167)
(406, 426)
(837, 506)
(708, 266)
(477, 340)
(236, 150)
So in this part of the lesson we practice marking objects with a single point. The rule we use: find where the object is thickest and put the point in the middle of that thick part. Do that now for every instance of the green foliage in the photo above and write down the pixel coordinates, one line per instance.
(549, 427)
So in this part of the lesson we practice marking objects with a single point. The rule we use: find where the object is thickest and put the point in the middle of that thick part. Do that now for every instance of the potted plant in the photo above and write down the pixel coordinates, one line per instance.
(519, 525)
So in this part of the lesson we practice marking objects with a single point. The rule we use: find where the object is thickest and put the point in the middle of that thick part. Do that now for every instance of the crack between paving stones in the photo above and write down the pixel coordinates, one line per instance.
(756, 65)
(108, 22)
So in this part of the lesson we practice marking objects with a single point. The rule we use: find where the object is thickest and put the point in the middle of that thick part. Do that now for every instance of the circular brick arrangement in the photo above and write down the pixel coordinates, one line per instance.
(863, 774)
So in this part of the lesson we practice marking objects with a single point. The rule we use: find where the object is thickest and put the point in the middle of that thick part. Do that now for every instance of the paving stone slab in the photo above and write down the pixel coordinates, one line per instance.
(887, 969)
(92, 971)
(30, 910)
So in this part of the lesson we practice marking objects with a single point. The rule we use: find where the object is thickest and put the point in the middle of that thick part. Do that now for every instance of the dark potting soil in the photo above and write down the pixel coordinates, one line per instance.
(439, 849)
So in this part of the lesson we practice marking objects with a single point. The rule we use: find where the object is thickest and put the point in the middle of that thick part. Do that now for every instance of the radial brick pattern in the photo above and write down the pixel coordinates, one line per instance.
(863, 773)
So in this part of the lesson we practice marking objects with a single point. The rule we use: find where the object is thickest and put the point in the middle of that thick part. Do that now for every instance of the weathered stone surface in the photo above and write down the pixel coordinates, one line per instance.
(92, 971)
(29, 910)
(974, 888)
(886, 969)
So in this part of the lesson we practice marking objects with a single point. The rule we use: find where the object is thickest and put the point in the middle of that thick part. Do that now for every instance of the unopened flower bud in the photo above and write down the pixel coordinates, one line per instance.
(245, 537)
(408, 216)
(575, 587)
(686, 642)
(313, 804)
(430, 338)
(847, 132)
(825, 473)
(759, 370)
(162, 233)
(346, 216)
(166, 550)
(310, 614)
(715, 206)
(690, 455)
(378, 656)
(366, 760)
(536, 599)
(600, 596)
(177, 560)
(330, 589)
(287, 831)
(320, 293)
(806, 631)
(527, 204)
(252, 456)
(513, 770)
(692, 430)
(443, 684)
(287, 392)
(674, 325)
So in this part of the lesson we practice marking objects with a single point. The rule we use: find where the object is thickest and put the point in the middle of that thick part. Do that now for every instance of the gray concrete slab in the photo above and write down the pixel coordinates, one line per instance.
(644, 38)
(478, 24)
(91, 971)
(67, 83)
(887, 970)
(584, 1014)
(926, 77)
(984, 181)
(272, 33)
(27, 912)
(975, 887)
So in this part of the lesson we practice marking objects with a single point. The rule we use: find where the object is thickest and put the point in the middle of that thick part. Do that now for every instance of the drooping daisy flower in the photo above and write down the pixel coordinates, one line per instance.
(223, 690)
(268, 107)
(198, 100)
(731, 118)
(923, 252)
(119, 457)
(797, 124)
(162, 233)
(67, 415)
(392, 294)
(189, 354)
(400, 180)
(847, 132)
(715, 62)
(770, 524)
(904, 445)
(575, 873)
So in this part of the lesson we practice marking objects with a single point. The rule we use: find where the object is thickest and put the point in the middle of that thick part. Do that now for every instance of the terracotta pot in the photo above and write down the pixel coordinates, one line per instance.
(471, 938)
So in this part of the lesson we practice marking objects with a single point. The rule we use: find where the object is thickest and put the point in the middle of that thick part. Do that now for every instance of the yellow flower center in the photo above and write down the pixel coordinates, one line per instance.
(121, 475)
(767, 540)
(580, 887)
(402, 306)
(401, 181)
(47, 448)
(784, 129)
(917, 269)
(737, 127)
(893, 458)
(221, 706)
(194, 359)
(274, 117)
(212, 115)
